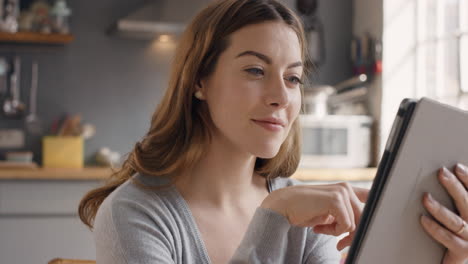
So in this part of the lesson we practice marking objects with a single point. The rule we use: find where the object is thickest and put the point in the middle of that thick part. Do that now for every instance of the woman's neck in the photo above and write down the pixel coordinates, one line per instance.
(223, 178)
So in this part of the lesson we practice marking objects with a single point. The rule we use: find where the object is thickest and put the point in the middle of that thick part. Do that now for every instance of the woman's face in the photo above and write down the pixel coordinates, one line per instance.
(254, 92)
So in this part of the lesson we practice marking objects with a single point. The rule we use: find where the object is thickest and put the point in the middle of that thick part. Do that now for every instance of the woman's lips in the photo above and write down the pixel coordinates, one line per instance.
(274, 127)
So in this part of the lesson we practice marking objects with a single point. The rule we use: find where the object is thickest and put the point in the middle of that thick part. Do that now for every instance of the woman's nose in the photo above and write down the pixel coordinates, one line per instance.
(276, 93)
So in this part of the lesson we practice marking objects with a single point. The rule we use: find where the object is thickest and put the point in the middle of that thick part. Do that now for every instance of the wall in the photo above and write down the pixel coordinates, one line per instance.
(368, 18)
(116, 83)
(336, 16)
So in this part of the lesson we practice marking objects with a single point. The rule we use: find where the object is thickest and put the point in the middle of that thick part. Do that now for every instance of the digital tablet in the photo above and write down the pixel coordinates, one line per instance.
(426, 135)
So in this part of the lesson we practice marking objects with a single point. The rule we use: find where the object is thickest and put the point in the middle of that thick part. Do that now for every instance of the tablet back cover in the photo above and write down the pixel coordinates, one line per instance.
(436, 136)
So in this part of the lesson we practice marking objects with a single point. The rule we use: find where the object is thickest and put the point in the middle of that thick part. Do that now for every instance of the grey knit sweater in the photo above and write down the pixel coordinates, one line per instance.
(135, 225)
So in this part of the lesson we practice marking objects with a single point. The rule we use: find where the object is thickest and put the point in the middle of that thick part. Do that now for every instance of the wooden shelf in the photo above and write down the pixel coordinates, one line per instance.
(99, 173)
(35, 38)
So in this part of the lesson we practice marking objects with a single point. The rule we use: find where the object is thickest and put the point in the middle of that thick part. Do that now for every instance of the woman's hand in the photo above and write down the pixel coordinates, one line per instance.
(452, 232)
(330, 209)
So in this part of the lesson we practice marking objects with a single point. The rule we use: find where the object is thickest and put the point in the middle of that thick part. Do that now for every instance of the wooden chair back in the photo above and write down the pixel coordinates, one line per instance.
(71, 261)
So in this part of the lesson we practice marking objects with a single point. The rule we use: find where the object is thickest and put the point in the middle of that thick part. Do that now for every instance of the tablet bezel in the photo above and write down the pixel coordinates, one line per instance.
(398, 131)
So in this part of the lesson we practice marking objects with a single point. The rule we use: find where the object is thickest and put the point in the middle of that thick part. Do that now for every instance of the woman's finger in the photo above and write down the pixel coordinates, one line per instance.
(344, 221)
(350, 199)
(361, 193)
(450, 258)
(345, 242)
(330, 229)
(356, 210)
(443, 236)
(319, 220)
(342, 212)
(449, 219)
(462, 173)
(356, 203)
(456, 190)
(358, 197)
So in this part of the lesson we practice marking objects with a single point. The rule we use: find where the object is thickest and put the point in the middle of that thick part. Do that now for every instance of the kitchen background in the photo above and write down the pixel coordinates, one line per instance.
(115, 83)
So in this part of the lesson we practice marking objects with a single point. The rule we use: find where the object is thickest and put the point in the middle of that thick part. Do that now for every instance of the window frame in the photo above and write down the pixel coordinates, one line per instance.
(438, 40)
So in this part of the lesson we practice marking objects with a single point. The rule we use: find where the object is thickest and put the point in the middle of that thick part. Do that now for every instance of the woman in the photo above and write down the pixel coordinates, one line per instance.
(208, 183)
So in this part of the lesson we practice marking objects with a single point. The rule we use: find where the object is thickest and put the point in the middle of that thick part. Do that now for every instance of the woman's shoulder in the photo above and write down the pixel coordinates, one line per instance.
(282, 182)
(140, 188)
(139, 195)
(134, 216)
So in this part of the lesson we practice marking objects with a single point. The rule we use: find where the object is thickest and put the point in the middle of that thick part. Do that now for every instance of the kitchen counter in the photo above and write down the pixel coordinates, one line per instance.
(90, 173)
(98, 173)
(352, 174)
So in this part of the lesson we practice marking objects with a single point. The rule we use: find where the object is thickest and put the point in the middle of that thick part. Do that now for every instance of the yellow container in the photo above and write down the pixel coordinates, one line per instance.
(62, 152)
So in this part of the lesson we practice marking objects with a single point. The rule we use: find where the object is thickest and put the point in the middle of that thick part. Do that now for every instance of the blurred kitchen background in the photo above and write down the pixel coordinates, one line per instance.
(79, 81)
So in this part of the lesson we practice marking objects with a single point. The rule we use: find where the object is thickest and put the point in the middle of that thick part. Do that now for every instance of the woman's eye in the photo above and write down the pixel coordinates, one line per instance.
(294, 79)
(255, 71)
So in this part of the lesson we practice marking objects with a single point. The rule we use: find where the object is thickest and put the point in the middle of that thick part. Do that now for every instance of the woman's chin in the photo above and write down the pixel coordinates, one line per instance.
(266, 153)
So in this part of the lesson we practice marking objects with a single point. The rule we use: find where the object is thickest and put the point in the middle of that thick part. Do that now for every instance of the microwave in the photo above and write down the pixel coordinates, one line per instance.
(335, 141)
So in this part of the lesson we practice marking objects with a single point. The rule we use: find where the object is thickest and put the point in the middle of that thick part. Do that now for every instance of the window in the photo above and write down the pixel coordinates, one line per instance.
(442, 50)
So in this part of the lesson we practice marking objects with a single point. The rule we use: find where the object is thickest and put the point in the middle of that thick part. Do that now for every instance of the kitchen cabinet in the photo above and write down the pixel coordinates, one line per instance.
(39, 221)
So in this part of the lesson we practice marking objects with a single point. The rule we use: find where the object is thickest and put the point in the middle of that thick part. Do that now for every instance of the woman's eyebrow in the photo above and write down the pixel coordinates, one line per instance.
(265, 58)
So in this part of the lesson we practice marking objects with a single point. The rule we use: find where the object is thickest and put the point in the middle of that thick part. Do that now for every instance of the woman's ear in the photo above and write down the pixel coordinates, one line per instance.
(199, 93)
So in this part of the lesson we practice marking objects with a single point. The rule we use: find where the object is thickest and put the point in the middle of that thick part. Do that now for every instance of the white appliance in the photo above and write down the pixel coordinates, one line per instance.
(336, 141)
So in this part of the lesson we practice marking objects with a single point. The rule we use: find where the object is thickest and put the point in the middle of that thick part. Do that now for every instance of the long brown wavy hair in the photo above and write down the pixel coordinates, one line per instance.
(181, 125)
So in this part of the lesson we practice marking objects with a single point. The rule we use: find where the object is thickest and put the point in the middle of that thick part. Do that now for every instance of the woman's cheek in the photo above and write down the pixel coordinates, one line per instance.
(295, 105)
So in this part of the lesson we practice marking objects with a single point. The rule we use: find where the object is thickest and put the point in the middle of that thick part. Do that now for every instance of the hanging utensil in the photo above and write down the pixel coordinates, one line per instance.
(350, 96)
(32, 121)
(351, 83)
(70, 126)
(4, 68)
(12, 106)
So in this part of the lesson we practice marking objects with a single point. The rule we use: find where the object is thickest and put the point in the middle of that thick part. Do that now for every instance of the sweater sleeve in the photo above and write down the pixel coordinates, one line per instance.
(121, 239)
(321, 249)
(267, 238)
